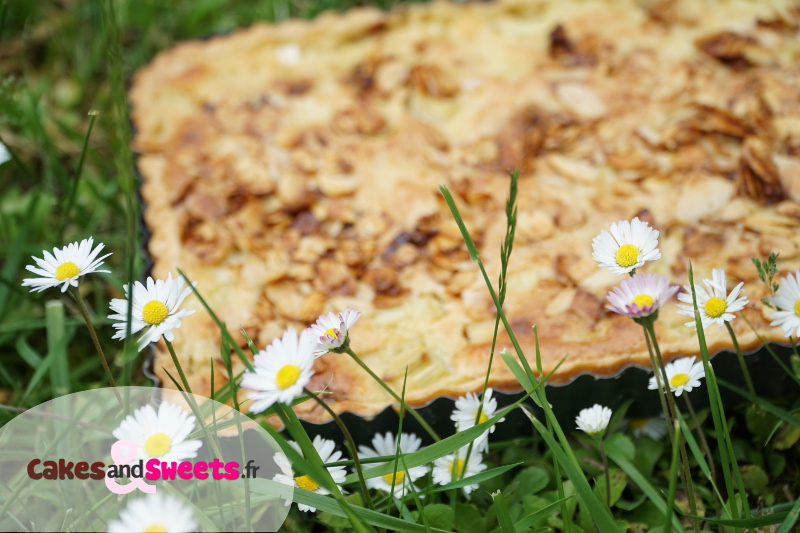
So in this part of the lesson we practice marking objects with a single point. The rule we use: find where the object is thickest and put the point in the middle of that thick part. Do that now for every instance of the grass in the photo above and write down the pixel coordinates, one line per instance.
(63, 73)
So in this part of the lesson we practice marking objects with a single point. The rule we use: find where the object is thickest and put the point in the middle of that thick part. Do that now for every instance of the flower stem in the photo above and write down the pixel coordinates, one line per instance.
(177, 364)
(76, 295)
(739, 356)
(661, 379)
(704, 444)
(671, 417)
(394, 395)
(350, 442)
(605, 470)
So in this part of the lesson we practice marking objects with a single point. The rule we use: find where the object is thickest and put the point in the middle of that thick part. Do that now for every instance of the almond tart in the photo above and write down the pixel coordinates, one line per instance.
(292, 169)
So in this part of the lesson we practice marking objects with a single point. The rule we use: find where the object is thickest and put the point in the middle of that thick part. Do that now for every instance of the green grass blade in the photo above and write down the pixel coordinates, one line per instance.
(476, 479)
(786, 416)
(791, 518)
(329, 505)
(57, 347)
(599, 512)
(620, 458)
(501, 509)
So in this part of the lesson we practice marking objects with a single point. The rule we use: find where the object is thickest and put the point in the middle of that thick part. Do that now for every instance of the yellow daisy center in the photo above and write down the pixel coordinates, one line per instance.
(332, 332)
(678, 380)
(797, 308)
(483, 418)
(155, 528)
(157, 445)
(154, 312)
(457, 467)
(643, 300)
(306, 483)
(287, 376)
(627, 255)
(637, 423)
(396, 477)
(67, 270)
(715, 307)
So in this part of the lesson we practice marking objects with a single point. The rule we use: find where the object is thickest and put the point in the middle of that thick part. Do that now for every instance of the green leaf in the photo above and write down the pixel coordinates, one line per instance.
(530, 481)
(616, 449)
(618, 483)
(755, 479)
(439, 515)
(468, 519)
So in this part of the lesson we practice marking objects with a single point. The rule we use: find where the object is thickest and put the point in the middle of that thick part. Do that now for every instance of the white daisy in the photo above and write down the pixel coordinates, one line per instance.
(64, 266)
(156, 309)
(787, 299)
(281, 371)
(331, 331)
(465, 416)
(716, 306)
(640, 295)
(5, 155)
(161, 435)
(386, 445)
(627, 247)
(453, 467)
(682, 375)
(593, 420)
(326, 450)
(155, 512)
(655, 428)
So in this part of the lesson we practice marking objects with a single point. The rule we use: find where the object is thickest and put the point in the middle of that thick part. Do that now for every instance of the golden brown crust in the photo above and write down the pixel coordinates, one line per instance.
(292, 170)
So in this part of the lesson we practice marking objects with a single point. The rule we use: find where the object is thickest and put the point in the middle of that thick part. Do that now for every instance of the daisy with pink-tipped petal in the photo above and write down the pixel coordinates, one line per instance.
(65, 265)
(787, 299)
(331, 331)
(627, 247)
(714, 303)
(641, 295)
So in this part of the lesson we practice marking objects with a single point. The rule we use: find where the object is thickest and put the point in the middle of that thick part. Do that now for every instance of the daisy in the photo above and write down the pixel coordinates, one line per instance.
(331, 331)
(714, 303)
(682, 375)
(640, 295)
(326, 450)
(787, 299)
(593, 420)
(155, 512)
(453, 467)
(386, 445)
(161, 435)
(655, 428)
(627, 247)
(156, 309)
(281, 371)
(64, 266)
(465, 415)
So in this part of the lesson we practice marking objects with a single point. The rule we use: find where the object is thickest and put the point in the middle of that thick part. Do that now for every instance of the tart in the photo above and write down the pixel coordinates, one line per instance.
(292, 169)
